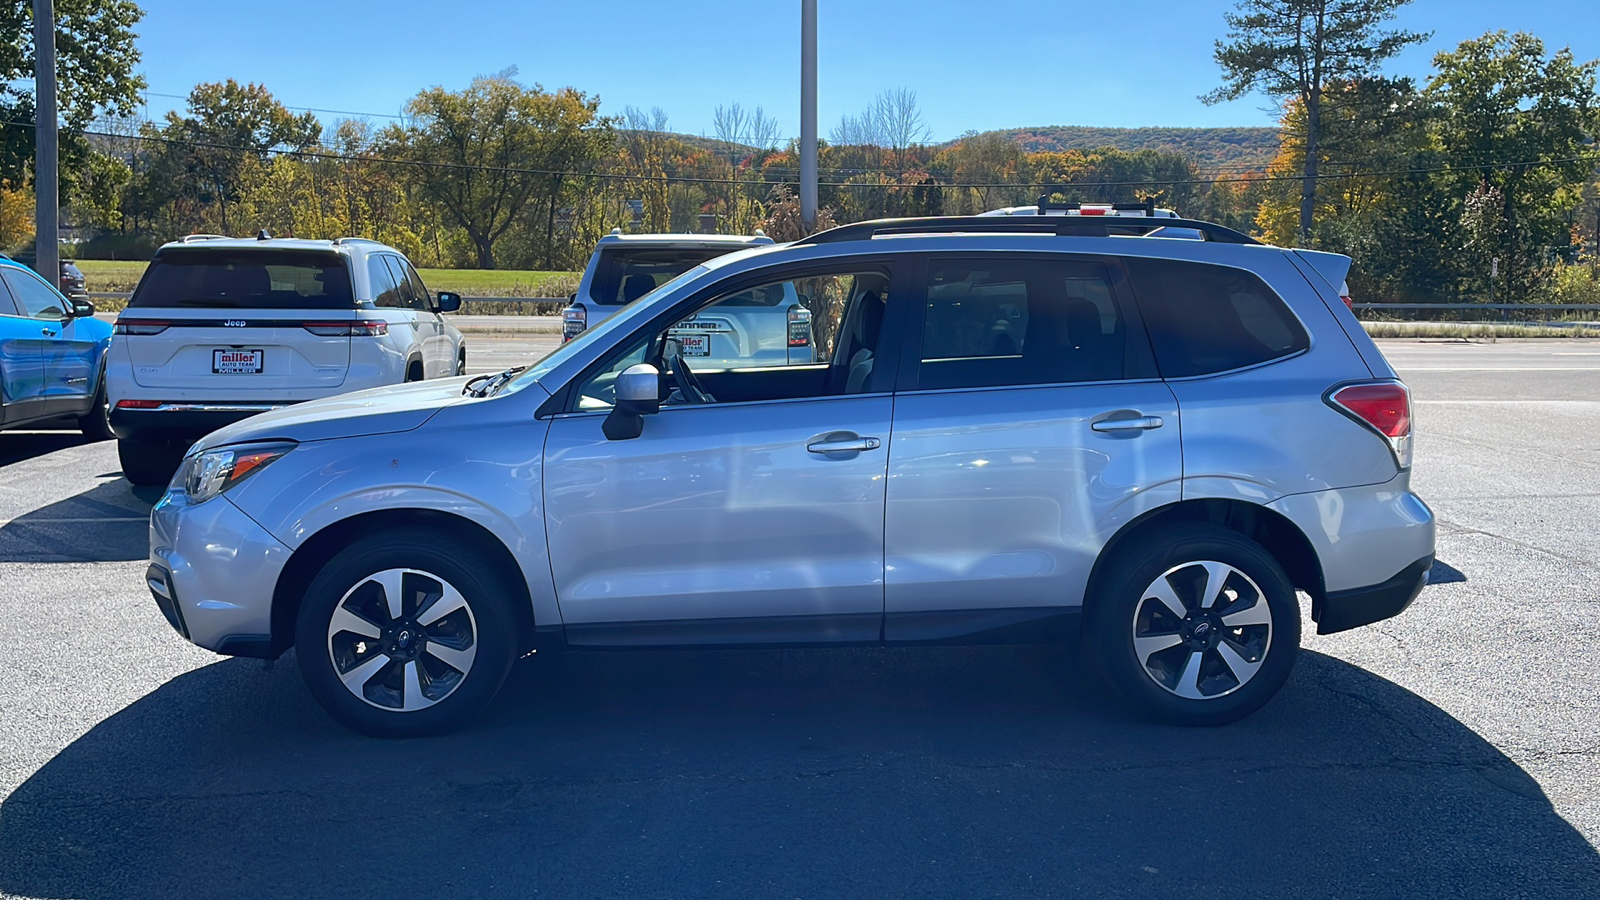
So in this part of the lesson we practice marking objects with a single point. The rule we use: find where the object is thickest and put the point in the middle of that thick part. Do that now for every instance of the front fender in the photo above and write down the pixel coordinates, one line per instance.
(489, 475)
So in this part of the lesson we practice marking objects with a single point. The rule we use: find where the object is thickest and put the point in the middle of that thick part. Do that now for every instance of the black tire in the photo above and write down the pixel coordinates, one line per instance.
(1127, 608)
(434, 564)
(96, 423)
(147, 463)
(461, 363)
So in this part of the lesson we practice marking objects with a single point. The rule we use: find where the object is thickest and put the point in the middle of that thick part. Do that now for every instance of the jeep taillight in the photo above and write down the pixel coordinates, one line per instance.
(574, 319)
(362, 328)
(139, 326)
(1383, 406)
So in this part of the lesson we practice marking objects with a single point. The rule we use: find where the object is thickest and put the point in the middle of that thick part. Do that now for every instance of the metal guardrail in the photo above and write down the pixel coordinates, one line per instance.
(1518, 307)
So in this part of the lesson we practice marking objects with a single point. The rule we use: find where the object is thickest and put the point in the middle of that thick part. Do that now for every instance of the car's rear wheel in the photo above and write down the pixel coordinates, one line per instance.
(148, 463)
(404, 633)
(461, 363)
(96, 423)
(1195, 625)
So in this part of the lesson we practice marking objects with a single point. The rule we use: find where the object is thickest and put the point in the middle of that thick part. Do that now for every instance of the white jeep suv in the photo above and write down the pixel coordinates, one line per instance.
(223, 328)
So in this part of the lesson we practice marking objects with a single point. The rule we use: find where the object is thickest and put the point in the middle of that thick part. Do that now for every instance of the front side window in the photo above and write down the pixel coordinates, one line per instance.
(419, 292)
(830, 323)
(1205, 318)
(245, 279)
(1018, 321)
(33, 296)
(408, 296)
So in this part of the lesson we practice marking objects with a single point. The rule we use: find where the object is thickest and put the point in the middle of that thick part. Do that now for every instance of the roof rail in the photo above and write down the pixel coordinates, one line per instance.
(191, 238)
(355, 240)
(1061, 226)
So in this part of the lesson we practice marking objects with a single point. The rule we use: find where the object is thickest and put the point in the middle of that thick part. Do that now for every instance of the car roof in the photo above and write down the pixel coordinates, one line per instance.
(207, 241)
(730, 241)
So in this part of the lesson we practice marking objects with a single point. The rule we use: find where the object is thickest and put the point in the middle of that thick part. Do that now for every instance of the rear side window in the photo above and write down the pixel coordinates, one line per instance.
(1204, 319)
(625, 274)
(994, 322)
(245, 279)
(385, 291)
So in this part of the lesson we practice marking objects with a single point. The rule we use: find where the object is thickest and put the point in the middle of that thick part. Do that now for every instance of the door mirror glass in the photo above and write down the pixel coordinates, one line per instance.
(638, 395)
(449, 301)
(82, 309)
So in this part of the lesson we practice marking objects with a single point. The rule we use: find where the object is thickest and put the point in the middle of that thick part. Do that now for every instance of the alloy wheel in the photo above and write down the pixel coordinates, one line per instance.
(402, 639)
(1202, 630)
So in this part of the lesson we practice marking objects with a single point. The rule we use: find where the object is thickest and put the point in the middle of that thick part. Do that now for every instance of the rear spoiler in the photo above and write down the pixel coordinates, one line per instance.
(1333, 267)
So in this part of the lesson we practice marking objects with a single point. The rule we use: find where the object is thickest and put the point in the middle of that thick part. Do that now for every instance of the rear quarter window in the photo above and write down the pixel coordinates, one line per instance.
(1204, 319)
(245, 279)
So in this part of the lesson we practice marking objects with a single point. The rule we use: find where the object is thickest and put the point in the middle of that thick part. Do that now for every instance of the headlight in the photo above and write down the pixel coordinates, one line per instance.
(214, 471)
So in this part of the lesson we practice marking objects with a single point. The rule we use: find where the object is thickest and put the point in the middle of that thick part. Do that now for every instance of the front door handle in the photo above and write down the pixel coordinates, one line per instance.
(47, 332)
(839, 444)
(1142, 423)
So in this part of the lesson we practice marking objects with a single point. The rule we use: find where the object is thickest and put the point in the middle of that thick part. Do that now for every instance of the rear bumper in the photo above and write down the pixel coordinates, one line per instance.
(184, 422)
(1343, 610)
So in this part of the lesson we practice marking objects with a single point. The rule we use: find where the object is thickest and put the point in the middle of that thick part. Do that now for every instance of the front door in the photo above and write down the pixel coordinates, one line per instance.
(1034, 429)
(752, 513)
(21, 365)
(67, 361)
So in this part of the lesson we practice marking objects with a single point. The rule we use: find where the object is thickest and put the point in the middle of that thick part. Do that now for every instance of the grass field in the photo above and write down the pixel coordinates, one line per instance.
(120, 277)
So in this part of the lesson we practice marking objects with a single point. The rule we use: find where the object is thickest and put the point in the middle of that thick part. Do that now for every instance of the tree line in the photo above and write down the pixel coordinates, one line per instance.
(1487, 166)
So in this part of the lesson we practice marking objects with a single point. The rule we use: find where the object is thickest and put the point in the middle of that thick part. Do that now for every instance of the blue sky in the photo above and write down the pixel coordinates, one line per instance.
(975, 64)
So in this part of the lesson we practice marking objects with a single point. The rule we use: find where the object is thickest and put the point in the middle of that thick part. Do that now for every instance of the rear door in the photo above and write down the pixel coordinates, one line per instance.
(1029, 426)
(438, 354)
(241, 323)
(65, 358)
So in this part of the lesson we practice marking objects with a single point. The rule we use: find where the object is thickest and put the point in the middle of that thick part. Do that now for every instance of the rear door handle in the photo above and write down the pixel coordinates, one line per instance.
(844, 445)
(1143, 423)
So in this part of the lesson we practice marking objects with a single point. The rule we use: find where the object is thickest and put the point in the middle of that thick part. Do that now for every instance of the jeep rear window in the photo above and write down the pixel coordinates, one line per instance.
(245, 279)
(625, 274)
(1206, 318)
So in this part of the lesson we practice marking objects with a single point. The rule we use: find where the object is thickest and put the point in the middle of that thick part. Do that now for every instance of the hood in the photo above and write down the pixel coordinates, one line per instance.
(384, 410)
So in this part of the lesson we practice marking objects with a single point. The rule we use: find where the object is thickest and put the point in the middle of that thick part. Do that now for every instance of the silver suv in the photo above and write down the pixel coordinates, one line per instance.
(1014, 429)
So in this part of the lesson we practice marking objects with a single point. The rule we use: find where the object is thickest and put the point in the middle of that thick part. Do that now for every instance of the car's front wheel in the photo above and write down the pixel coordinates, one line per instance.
(96, 423)
(1195, 625)
(405, 633)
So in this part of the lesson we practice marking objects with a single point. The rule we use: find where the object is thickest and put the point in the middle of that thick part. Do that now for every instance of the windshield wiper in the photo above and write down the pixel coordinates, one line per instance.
(492, 383)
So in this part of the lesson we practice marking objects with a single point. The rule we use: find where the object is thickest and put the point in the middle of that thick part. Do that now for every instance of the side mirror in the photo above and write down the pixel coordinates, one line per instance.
(638, 395)
(81, 309)
(448, 301)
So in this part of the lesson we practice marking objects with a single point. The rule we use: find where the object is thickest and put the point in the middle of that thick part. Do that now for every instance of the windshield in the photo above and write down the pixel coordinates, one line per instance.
(245, 279)
(622, 321)
(624, 274)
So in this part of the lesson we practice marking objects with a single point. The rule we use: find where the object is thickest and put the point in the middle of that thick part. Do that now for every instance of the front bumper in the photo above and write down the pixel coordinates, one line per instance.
(212, 572)
(180, 422)
(1344, 610)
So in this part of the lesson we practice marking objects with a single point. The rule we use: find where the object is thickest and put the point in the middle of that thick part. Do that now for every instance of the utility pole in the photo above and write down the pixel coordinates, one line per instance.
(46, 178)
(808, 113)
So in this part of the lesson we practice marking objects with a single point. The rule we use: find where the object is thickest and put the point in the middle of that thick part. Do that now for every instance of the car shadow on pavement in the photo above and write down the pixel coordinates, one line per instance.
(16, 446)
(991, 771)
(108, 523)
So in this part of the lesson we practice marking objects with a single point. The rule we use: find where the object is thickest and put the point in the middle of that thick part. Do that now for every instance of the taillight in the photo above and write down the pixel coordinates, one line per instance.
(799, 326)
(1349, 303)
(139, 326)
(138, 404)
(574, 319)
(1383, 406)
(360, 328)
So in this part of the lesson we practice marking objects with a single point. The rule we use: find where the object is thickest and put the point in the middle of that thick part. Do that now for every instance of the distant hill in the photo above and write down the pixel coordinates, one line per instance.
(1206, 146)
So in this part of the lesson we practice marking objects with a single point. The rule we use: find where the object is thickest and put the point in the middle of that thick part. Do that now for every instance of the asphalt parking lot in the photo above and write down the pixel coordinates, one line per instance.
(1453, 751)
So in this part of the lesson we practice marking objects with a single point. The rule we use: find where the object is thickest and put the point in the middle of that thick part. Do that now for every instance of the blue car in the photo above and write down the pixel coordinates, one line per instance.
(52, 355)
